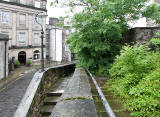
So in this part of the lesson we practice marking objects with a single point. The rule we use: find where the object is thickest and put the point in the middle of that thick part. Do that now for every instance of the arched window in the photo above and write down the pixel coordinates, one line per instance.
(36, 55)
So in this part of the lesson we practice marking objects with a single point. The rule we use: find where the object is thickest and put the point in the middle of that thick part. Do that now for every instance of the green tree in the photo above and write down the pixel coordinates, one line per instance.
(99, 27)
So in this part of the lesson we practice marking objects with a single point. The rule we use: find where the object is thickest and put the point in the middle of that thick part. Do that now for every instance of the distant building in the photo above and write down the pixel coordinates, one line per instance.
(3, 55)
(56, 46)
(17, 19)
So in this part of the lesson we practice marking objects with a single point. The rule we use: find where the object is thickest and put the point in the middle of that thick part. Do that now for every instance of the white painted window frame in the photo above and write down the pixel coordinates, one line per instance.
(20, 38)
(7, 17)
(36, 39)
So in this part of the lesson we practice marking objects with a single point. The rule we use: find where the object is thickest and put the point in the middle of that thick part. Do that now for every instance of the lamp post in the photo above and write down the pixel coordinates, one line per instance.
(42, 45)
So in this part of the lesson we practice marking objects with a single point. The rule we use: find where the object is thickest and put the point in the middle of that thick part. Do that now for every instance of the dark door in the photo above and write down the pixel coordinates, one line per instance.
(22, 57)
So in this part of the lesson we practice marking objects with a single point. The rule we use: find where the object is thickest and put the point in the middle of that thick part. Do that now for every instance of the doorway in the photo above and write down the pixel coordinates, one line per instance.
(22, 57)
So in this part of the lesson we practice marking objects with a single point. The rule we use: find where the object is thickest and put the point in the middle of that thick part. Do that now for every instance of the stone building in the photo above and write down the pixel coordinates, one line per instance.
(56, 46)
(3, 55)
(18, 21)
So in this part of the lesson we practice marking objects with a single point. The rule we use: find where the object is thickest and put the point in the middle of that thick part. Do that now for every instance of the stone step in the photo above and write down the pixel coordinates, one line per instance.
(102, 114)
(54, 94)
(52, 98)
(99, 106)
(46, 110)
(45, 115)
(50, 103)
(103, 88)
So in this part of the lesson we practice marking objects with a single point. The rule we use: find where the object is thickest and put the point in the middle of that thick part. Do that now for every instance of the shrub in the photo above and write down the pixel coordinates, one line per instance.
(28, 62)
(16, 64)
(135, 77)
(154, 43)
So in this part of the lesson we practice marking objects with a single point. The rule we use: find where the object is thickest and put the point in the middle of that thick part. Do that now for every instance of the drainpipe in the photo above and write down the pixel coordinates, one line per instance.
(55, 46)
(5, 56)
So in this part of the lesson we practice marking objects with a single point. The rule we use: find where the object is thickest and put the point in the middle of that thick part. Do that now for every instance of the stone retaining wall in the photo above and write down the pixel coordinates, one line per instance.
(140, 34)
(41, 82)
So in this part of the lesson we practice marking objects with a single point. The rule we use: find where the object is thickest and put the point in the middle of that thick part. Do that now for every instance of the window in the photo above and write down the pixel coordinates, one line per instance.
(37, 4)
(36, 38)
(5, 16)
(21, 37)
(36, 55)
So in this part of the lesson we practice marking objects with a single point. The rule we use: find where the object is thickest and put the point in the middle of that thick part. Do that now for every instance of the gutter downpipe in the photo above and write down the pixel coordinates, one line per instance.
(104, 101)
(5, 56)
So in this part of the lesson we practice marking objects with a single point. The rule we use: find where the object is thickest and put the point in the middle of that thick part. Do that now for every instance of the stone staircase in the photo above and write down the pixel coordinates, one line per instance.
(53, 96)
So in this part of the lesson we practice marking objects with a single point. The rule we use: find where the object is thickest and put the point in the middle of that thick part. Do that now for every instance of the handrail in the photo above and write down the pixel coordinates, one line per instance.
(104, 101)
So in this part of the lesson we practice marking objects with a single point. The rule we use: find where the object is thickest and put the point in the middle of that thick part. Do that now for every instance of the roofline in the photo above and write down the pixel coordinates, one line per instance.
(145, 28)
(22, 5)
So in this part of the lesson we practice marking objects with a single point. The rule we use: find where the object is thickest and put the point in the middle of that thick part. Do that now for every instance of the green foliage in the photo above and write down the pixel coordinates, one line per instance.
(99, 28)
(28, 62)
(155, 41)
(135, 76)
(152, 9)
(16, 64)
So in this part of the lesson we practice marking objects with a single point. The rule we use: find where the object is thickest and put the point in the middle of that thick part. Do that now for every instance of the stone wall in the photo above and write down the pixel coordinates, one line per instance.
(140, 35)
(3, 56)
(2, 59)
(48, 79)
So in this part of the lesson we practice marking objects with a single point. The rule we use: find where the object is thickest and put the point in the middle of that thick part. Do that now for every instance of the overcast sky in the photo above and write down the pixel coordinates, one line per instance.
(53, 11)
(58, 11)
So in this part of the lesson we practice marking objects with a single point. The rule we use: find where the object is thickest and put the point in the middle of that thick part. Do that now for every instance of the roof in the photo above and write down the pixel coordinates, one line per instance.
(4, 37)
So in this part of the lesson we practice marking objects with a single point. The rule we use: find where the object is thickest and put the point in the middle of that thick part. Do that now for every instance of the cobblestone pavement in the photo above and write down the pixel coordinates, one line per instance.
(11, 96)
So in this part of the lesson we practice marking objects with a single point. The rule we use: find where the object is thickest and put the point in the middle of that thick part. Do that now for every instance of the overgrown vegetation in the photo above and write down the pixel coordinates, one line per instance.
(135, 77)
(16, 64)
(155, 42)
(99, 27)
(28, 62)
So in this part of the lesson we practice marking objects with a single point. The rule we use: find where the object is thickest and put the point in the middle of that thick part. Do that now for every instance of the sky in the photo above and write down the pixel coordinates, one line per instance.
(54, 11)
(58, 11)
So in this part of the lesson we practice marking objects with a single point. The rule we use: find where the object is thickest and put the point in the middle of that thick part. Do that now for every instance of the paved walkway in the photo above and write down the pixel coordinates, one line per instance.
(11, 95)
(77, 99)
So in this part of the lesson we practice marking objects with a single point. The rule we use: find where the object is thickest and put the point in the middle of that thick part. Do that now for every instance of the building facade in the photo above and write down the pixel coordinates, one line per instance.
(3, 55)
(17, 19)
(56, 46)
